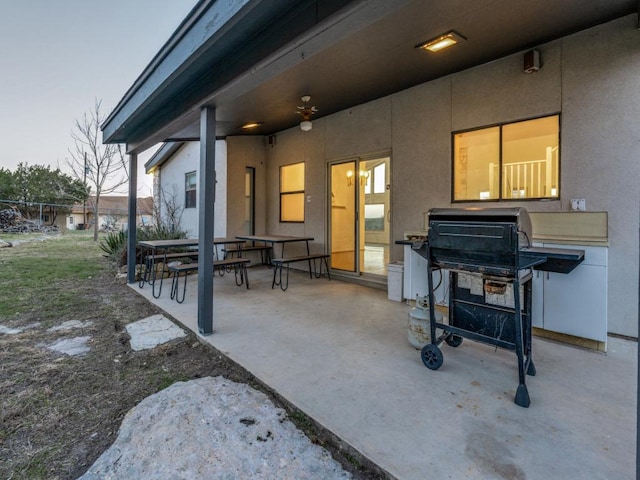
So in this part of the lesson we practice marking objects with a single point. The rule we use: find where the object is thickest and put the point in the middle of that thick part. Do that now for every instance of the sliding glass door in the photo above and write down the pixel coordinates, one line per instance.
(360, 215)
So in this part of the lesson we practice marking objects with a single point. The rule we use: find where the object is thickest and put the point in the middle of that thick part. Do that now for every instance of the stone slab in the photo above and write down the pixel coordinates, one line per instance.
(153, 331)
(212, 428)
(14, 331)
(10, 331)
(70, 325)
(71, 346)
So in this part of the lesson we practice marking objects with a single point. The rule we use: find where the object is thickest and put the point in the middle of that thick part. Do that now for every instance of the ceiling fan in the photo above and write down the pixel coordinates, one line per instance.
(306, 112)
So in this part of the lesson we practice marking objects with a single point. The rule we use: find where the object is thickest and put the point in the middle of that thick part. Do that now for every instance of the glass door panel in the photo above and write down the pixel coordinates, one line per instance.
(343, 216)
(375, 215)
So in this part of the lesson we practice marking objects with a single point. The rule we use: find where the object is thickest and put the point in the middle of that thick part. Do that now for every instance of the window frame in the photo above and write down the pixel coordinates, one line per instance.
(283, 194)
(500, 126)
(187, 191)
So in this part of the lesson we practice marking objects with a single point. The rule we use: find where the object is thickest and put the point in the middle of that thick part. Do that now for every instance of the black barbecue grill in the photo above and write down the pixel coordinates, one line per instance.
(489, 257)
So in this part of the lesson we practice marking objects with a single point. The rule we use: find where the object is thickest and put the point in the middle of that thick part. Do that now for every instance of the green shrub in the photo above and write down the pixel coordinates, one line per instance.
(159, 232)
(115, 247)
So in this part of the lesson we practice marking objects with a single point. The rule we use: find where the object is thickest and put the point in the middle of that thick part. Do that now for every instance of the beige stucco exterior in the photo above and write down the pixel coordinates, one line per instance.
(591, 78)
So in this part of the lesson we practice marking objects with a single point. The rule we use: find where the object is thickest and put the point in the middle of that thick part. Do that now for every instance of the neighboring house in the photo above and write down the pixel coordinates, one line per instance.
(412, 128)
(113, 213)
(59, 221)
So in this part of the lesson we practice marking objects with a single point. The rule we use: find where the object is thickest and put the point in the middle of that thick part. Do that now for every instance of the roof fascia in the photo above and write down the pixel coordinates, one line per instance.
(211, 17)
(164, 153)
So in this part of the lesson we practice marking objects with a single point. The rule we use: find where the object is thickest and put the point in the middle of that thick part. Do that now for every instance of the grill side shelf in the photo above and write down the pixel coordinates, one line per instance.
(558, 260)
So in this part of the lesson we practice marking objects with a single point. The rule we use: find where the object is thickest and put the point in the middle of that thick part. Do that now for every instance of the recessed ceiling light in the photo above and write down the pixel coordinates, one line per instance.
(441, 42)
(250, 125)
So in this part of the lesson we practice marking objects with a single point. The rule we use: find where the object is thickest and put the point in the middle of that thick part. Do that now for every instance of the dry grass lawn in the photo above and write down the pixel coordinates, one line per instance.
(59, 412)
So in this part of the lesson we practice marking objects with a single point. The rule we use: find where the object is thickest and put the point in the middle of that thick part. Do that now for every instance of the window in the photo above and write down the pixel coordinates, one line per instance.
(376, 178)
(249, 200)
(190, 190)
(518, 160)
(292, 193)
(374, 217)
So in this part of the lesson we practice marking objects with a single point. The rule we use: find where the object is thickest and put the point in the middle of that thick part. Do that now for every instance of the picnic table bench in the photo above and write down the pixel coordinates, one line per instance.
(313, 260)
(171, 256)
(239, 266)
(159, 251)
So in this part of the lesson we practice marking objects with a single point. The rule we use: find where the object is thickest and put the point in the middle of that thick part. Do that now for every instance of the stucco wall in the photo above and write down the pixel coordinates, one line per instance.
(594, 85)
(292, 147)
(172, 181)
(601, 149)
(243, 152)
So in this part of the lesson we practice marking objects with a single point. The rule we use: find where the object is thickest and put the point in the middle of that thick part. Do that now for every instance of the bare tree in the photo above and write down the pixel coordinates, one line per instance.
(101, 167)
(167, 210)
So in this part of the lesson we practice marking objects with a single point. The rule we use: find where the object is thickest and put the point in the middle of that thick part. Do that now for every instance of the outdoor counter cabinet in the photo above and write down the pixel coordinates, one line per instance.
(489, 257)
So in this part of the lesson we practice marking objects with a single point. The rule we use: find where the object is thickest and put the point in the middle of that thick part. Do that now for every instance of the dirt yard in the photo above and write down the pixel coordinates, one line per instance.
(60, 412)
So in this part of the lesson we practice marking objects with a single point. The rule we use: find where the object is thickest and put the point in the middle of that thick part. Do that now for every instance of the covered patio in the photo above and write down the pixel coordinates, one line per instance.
(339, 352)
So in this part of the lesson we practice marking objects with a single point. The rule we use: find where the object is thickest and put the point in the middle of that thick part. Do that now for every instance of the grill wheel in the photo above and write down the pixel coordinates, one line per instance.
(431, 356)
(453, 340)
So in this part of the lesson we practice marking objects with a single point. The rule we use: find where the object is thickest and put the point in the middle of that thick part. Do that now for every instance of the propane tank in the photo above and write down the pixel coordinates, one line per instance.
(419, 323)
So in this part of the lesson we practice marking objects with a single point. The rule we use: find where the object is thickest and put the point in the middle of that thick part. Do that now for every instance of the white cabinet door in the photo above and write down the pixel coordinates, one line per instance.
(576, 303)
(415, 278)
(415, 274)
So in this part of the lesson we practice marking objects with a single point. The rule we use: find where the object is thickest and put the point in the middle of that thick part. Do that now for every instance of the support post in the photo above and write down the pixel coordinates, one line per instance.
(206, 197)
(131, 220)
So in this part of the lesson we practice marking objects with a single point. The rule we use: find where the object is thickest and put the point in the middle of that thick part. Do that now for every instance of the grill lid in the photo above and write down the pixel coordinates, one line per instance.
(517, 215)
(491, 240)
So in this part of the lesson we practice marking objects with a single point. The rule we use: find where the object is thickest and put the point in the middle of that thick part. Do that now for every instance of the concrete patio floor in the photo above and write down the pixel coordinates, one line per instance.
(339, 352)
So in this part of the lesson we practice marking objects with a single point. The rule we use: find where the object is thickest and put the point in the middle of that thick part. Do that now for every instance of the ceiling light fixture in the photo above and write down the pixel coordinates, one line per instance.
(306, 112)
(441, 42)
(250, 125)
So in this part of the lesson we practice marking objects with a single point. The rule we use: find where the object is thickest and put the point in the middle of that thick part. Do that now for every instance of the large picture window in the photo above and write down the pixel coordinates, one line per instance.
(519, 160)
(190, 183)
(292, 193)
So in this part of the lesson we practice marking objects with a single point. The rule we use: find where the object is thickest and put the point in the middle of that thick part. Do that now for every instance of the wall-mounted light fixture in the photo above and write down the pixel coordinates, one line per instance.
(441, 42)
(532, 61)
(306, 112)
(363, 175)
